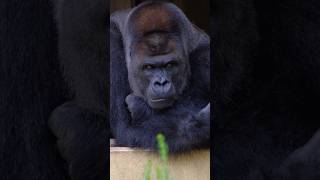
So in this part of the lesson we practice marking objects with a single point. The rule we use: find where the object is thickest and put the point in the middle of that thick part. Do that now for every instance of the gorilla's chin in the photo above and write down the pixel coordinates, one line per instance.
(160, 103)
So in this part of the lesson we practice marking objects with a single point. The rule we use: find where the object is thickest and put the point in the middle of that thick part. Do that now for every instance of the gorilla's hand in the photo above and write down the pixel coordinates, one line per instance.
(138, 109)
(304, 163)
(81, 139)
(196, 126)
(204, 115)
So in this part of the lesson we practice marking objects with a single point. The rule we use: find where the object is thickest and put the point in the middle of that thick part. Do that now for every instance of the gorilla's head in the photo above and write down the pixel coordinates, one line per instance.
(157, 53)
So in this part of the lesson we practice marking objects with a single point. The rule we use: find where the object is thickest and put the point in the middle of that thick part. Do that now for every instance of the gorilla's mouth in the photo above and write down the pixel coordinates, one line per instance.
(161, 103)
(159, 100)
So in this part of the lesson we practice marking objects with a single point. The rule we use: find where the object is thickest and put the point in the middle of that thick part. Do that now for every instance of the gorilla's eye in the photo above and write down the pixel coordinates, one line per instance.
(148, 66)
(171, 64)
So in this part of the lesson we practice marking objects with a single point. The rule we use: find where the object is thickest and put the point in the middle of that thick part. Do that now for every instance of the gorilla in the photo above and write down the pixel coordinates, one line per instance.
(266, 88)
(159, 78)
(67, 86)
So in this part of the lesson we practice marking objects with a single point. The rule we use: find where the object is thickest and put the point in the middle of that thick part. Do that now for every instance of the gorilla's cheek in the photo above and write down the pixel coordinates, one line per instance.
(142, 84)
(181, 81)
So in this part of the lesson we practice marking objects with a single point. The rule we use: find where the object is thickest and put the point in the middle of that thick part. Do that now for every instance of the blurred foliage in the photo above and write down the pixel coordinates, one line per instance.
(162, 170)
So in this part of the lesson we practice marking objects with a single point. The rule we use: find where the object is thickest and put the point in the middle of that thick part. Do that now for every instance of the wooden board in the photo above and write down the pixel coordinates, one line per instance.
(129, 164)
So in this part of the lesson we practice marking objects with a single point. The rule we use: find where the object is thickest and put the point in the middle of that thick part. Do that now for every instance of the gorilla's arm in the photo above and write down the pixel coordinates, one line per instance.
(190, 134)
(183, 131)
(140, 112)
(80, 125)
(303, 163)
(252, 47)
(81, 140)
(82, 44)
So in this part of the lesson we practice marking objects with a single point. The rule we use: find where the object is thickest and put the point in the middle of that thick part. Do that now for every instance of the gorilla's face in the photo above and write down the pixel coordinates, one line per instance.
(158, 70)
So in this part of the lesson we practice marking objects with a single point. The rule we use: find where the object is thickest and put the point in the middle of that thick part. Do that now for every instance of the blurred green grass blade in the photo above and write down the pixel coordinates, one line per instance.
(147, 171)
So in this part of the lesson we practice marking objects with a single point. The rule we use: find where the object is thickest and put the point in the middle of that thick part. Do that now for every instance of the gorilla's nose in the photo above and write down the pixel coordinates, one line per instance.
(161, 82)
(161, 86)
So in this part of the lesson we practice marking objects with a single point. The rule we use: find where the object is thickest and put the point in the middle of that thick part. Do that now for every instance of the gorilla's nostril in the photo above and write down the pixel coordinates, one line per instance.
(161, 82)
(164, 82)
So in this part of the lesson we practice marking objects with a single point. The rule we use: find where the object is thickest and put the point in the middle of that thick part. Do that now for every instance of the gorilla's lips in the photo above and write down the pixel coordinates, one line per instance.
(159, 100)
(161, 103)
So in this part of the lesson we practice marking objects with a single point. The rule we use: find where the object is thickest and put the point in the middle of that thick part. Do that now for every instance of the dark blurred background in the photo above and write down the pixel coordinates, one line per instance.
(198, 11)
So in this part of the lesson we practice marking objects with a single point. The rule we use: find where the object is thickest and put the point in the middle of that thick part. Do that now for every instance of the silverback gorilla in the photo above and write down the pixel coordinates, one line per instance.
(160, 78)
(266, 85)
(73, 146)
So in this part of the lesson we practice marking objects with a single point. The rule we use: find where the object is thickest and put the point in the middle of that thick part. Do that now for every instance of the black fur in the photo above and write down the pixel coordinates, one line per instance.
(179, 123)
(80, 124)
(266, 80)
(32, 86)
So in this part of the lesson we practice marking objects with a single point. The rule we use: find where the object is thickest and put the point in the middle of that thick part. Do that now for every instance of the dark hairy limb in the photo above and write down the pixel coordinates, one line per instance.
(81, 140)
(81, 125)
(184, 128)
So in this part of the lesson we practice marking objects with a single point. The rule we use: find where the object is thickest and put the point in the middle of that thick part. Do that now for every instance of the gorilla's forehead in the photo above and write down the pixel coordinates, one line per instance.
(153, 17)
(154, 48)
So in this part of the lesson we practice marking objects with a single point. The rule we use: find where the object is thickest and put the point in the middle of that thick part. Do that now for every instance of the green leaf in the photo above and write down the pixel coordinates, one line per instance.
(147, 171)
